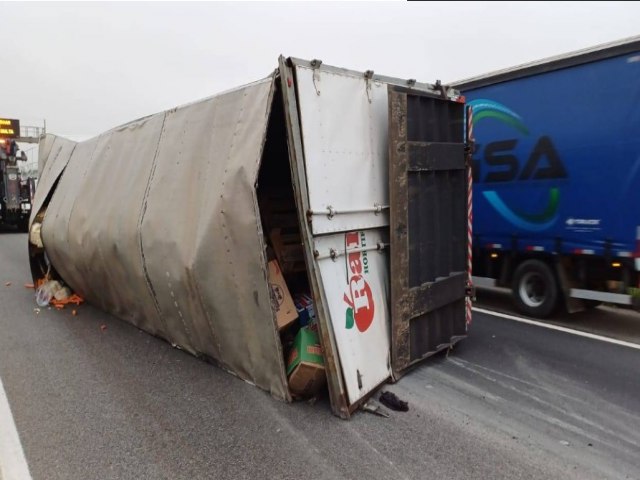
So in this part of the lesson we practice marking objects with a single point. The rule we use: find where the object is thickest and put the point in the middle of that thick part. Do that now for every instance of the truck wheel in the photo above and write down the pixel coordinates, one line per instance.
(535, 289)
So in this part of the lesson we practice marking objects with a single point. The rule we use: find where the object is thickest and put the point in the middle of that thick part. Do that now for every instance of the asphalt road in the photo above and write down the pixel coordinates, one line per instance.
(610, 321)
(512, 401)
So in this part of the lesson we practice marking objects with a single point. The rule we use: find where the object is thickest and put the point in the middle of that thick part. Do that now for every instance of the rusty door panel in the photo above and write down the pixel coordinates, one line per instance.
(428, 222)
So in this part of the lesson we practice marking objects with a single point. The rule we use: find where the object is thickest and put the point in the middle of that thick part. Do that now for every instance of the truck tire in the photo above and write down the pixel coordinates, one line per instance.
(535, 289)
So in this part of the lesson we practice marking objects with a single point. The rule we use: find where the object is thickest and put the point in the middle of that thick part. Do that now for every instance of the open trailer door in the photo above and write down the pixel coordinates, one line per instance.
(337, 128)
(428, 222)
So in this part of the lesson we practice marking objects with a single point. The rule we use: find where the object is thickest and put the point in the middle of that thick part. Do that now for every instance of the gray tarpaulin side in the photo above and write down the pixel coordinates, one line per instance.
(157, 222)
(58, 151)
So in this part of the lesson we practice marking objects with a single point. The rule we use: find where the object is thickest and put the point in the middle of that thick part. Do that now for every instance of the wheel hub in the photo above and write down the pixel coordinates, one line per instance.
(533, 290)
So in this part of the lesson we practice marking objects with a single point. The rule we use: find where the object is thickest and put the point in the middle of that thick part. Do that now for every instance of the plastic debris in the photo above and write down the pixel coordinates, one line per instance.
(374, 408)
(7, 284)
(62, 294)
(74, 312)
(29, 285)
(54, 293)
(46, 291)
(103, 328)
(390, 400)
(43, 296)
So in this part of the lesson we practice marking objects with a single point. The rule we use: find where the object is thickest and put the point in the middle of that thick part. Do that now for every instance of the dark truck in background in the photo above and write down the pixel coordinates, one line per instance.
(16, 189)
(556, 169)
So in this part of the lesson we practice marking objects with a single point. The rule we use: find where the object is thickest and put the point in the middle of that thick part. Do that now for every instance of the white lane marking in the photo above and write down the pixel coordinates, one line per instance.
(557, 327)
(13, 464)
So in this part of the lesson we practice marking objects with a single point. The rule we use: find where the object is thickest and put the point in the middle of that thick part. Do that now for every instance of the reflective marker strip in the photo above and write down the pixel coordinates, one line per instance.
(558, 328)
(584, 251)
(469, 211)
(533, 248)
(624, 254)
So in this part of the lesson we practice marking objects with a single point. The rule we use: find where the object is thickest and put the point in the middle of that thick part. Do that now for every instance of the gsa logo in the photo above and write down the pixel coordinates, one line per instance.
(504, 166)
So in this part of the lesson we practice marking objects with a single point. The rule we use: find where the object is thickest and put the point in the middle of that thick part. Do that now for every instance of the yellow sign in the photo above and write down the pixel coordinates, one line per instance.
(9, 128)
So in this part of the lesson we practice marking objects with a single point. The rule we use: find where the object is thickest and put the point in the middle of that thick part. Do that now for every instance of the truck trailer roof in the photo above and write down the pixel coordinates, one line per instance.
(558, 62)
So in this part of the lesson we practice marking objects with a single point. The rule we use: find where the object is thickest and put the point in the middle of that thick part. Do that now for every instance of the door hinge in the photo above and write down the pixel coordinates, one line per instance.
(368, 76)
(315, 65)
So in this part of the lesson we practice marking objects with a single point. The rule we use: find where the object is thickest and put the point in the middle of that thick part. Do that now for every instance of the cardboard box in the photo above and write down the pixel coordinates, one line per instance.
(305, 367)
(281, 300)
(288, 248)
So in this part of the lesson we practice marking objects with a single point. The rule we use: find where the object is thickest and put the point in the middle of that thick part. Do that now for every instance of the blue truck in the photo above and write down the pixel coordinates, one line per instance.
(556, 167)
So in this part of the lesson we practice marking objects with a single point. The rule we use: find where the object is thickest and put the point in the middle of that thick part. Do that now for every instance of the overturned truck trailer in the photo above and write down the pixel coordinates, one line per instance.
(164, 222)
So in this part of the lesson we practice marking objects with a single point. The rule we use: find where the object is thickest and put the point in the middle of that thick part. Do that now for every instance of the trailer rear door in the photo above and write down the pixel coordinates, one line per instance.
(343, 127)
(428, 219)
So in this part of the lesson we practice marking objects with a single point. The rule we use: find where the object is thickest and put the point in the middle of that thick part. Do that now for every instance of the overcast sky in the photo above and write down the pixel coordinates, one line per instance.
(87, 67)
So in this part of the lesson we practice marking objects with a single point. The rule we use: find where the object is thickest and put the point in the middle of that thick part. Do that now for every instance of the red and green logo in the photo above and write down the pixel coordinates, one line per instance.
(359, 299)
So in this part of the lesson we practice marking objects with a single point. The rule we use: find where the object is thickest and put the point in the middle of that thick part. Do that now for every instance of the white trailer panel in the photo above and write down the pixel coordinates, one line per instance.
(356, 286)
(344, 120)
